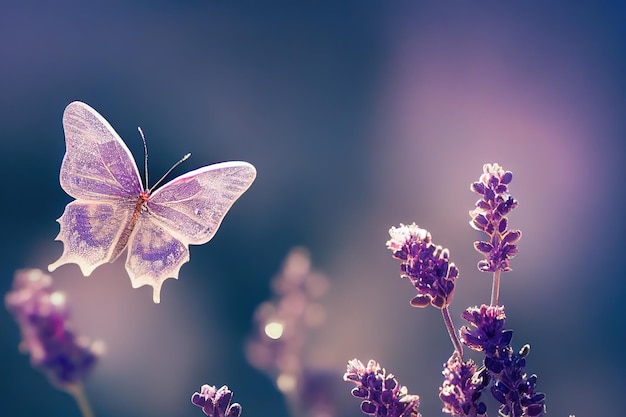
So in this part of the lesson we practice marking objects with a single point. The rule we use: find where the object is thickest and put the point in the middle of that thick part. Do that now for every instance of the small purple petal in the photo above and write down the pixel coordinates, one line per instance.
(484, 266)
(478, 187)
(368, 407)
(420, 301)
(493, 182)
(483, 247)
(501, 188)
(234, 410)
(512, 236)
(482, 205)
(359, 392)
(502, 225)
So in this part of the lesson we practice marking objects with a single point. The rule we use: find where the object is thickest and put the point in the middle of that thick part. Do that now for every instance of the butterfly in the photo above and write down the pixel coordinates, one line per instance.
(112, 210)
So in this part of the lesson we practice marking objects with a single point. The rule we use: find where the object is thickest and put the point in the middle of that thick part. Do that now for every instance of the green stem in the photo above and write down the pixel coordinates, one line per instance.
(453, 336)
(495, 288)
(78, 393)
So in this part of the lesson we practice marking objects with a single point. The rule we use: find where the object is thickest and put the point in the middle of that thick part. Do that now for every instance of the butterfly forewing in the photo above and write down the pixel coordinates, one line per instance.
(194, 204)
(89, 232)
(97, 165)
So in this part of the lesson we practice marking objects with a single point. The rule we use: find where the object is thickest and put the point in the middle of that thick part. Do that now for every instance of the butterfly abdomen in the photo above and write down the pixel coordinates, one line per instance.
(128, 229)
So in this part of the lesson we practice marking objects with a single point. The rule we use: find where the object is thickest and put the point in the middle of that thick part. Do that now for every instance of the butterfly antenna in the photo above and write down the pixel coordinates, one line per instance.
(145, 154)
(183, 159)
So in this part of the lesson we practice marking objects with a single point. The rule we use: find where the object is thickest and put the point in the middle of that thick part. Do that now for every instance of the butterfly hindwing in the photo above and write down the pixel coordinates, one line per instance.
(154, 255)
(90, 232)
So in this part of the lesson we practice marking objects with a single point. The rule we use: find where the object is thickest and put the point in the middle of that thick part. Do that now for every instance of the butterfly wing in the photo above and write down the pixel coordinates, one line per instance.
(187, 210)
(100, 172)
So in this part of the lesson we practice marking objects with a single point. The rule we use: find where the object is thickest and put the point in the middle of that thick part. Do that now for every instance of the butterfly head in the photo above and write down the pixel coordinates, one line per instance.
(144, 196)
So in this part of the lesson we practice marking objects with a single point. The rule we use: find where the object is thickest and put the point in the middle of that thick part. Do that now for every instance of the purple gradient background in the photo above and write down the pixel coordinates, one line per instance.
(357, 116)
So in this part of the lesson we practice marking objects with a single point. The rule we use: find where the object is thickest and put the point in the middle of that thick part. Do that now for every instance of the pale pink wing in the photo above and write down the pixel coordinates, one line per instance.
(187, 210)
(100, 172)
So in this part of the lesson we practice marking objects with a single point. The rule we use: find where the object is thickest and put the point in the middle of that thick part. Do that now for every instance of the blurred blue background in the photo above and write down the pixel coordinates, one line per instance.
(358, 116)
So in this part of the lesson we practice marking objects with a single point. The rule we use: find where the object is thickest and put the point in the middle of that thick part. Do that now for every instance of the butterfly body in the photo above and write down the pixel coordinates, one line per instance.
(113, 211)
(127, 230)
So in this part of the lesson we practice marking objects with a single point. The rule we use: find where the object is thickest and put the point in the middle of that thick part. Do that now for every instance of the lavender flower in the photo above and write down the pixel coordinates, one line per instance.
(462, 388)
(216, 402)
(487, 333)
(512, 387)
(489, 216)
(515, 390)
(429, 269)
(381, 394)
(42, 315)
(426, 265)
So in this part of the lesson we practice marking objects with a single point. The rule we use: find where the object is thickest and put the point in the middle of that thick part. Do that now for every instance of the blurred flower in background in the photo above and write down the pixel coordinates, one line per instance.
(282, 326)
(42, 315)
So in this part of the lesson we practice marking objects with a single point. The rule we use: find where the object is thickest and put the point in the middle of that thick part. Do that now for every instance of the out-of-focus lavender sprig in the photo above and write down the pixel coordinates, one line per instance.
(512, 387)
(489, 216)
(42, 315)
(429, 269)
(282, 326)
(216, 402)
(462, 388)
(380, 392)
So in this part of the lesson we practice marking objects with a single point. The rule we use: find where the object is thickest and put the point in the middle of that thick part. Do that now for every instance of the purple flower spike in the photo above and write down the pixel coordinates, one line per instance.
(462, 388)
(381, 394)
(487, 333)
(216, 402)
(512, 387)
(427, 266)
(489, 216)
(42, 315)
(515, 390)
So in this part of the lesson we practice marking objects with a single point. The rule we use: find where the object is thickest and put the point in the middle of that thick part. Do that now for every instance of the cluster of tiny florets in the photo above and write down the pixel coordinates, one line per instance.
(486, 332)
(462, 388)
(380, 393)
(489, 216)
(427, 265)
(512, 387)
(216, 402)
